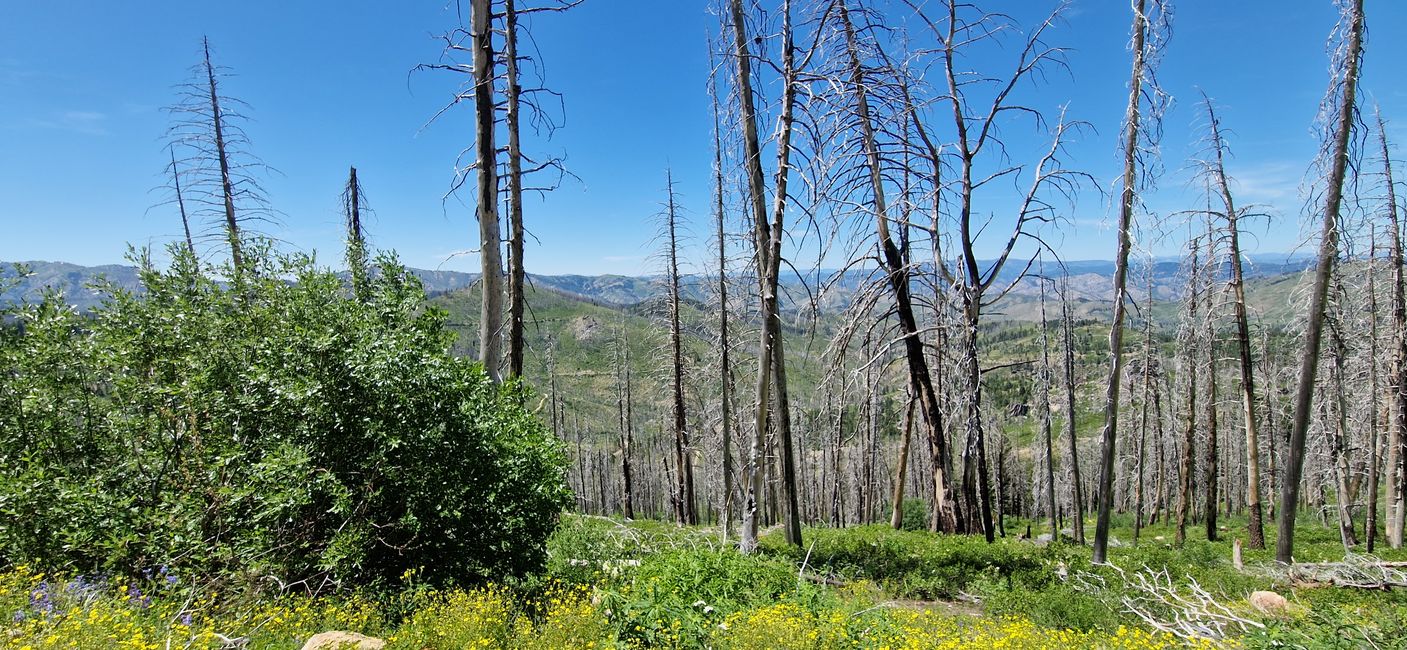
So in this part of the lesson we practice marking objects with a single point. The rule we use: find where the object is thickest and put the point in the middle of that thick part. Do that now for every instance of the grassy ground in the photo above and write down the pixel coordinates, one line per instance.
(645, 584)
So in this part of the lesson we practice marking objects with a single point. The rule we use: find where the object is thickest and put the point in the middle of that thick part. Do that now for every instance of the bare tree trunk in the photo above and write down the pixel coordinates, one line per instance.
(686, 512)
(1328, 250)
(624, 405)
(1397, 383)
(517, 273)
(1148, 372)
(1209, 340)
(217, 125)
(1185, 468)
(896, 515)
(1256, 527)
(1116, 331)
(181, 204)
(1370, 522)
(894, 259)
(356, 236)
(725, 369)
(767, 240)
(1343, 502)
(491, 265)
(1077, 495)
(1047, 434)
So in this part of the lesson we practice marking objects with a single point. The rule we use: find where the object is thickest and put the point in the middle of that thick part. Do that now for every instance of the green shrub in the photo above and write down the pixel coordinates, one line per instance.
(264, 423)
(915, 515)
(680, 595)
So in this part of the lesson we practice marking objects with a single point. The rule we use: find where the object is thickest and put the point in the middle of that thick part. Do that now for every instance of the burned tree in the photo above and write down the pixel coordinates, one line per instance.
(215, 160)
(1341, 105)
(1145, 104)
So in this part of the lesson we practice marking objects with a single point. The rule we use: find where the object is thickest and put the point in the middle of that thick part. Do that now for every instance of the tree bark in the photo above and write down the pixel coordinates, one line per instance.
(1328, 250)
(1116, 331)
(491, 265)
(517, 273)
(1077, 495)
(217, 125)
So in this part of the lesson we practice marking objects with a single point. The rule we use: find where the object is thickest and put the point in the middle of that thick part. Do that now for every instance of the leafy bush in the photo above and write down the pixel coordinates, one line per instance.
(915, 516)
(683, 594)
(266, 424)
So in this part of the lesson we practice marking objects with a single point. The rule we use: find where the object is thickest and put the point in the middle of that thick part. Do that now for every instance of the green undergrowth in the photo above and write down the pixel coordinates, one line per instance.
(618, 584)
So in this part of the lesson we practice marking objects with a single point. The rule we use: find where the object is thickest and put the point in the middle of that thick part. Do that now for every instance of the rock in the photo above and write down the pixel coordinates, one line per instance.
(1269, 602)
(343, 641)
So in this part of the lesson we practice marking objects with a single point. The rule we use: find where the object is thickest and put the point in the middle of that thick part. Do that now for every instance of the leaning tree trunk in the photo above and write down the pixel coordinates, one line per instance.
(1116, 331)
(227, 191)
(893, 259)
(1328, 250)
(767, 241)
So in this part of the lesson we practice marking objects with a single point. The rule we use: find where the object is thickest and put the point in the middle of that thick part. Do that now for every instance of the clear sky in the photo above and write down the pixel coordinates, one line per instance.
(82, 85)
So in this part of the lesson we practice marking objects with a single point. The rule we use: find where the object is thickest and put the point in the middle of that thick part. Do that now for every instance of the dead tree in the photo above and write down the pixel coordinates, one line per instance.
(625, 408)
(1077, 493)
(1209, 342)
(725, 366)
(221, 187)
(1189, 366)
(769, 231)
(977, 101)
(1342, 102)
(1397, 382)
(1215, 169)
(353, 201)
(893, 253)
(1046, 378)
(180, 200)
(686, 512)
(1148, 28)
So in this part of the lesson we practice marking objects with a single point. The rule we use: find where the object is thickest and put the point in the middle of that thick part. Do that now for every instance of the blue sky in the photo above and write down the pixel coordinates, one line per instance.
(82, 85)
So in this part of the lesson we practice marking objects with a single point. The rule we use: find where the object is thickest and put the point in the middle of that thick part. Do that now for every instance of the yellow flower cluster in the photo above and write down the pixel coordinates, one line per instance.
(787, 627)
(494, 617)
(40, 615)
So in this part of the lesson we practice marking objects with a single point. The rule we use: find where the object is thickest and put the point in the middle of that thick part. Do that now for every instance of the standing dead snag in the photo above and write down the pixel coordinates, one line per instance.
(725, 366)
(517, 273)
(181, 202)
(1147, 27)
(1077, 491)
(685, 510)
(894, 258)
(978, 103)
(352, 200)
(486, 164)
(767, 240)
(1215, 169)
(1397, 428)
(1343, 99)
(219, 187)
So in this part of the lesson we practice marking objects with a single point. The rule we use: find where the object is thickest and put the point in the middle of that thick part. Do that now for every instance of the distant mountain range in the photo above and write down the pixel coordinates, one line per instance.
(1090, 280)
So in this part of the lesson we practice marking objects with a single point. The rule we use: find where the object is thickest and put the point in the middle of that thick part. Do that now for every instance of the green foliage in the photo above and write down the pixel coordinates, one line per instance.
(916, 515)
(684, 594)
(266, 424)
(912, 564)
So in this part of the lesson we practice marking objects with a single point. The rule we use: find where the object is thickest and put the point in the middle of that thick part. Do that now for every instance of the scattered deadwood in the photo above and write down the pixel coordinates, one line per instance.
(1354, 572)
